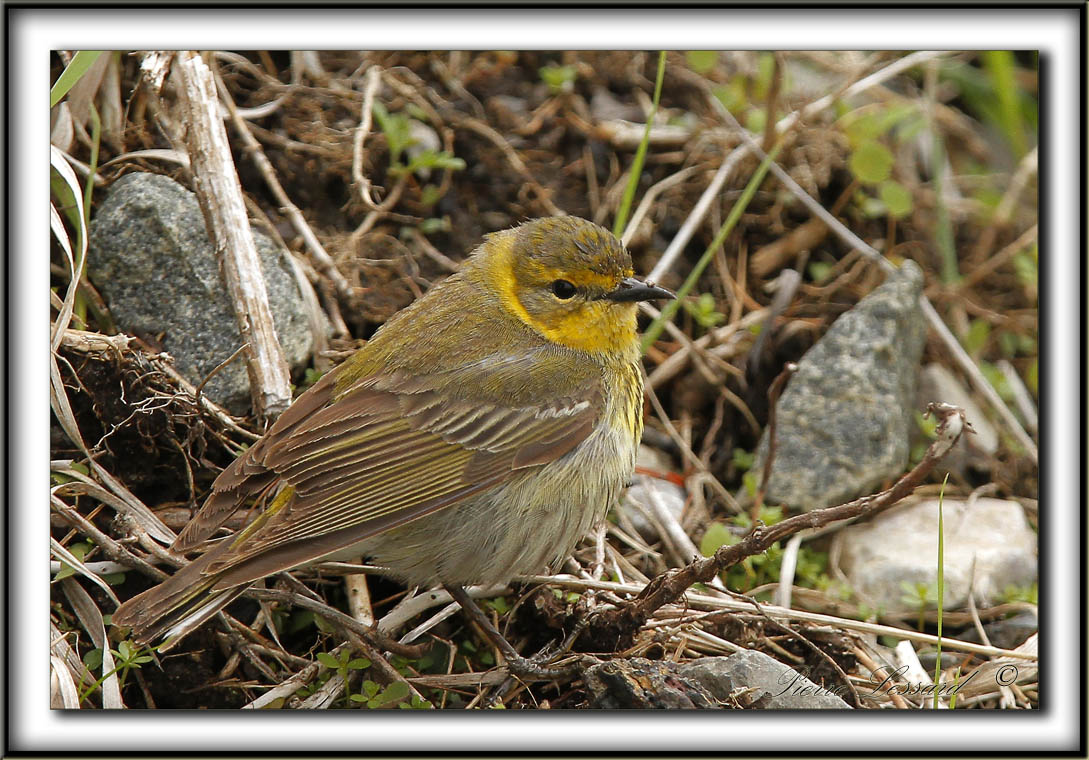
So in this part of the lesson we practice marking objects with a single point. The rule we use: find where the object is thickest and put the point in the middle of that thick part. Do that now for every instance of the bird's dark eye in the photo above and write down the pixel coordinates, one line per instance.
(563, 289)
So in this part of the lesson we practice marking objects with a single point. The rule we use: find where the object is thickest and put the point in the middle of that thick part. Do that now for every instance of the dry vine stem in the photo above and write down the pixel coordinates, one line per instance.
(617, 624)
(216, 183)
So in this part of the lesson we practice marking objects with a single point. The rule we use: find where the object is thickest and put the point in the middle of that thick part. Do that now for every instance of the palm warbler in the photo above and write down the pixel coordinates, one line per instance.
(477, 435)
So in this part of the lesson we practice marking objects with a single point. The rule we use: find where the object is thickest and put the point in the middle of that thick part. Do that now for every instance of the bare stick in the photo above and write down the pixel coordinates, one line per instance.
(220, 195)
(322, 259)
(617, 624)
(361, 182)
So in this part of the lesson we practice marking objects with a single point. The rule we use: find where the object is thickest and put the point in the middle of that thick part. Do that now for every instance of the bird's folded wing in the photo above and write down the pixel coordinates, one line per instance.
(388, 451)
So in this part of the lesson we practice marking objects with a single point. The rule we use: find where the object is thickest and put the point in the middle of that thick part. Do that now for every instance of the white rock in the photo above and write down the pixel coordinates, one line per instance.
(902, 546)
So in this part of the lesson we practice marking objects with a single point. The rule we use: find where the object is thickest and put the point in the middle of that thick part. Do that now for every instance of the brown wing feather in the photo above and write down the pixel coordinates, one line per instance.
(249, 475)
(375, 458)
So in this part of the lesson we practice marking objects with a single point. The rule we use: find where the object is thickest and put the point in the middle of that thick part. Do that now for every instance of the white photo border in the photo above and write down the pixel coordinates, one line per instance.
(1058, 32)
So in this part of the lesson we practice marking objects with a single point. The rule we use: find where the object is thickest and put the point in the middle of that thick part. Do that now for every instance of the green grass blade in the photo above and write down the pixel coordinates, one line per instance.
(72, 73)
(654, 329)
(941, 589)
(1000, 67)
(640, 153)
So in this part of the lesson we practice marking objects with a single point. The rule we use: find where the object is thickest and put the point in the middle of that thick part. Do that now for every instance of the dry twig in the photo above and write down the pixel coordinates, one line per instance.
(220, 196)
(618, 624)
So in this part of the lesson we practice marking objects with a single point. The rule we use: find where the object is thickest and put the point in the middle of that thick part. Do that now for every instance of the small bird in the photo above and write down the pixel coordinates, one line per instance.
(478, 435)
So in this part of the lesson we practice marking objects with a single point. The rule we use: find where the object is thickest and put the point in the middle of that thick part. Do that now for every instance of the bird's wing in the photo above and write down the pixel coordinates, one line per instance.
(389, 450)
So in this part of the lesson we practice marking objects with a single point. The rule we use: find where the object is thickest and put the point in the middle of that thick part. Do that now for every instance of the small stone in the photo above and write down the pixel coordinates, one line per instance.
(1012, 632)
(151, 259)
(638, 683)
(423, 138)
(757, 681)
(887, 558)
(845, 416)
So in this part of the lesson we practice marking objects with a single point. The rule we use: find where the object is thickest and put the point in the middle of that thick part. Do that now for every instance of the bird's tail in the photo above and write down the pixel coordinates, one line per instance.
(179, 604)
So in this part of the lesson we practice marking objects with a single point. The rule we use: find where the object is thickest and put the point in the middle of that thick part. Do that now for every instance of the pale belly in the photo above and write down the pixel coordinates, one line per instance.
(524, 526)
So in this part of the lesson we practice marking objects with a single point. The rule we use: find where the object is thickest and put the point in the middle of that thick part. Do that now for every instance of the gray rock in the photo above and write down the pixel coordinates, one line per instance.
(151, 259)
(901, 547)
(845, 416)
(1008, 633)
(1012, 632)
(936, 383)
(638, 683)
(755, 680)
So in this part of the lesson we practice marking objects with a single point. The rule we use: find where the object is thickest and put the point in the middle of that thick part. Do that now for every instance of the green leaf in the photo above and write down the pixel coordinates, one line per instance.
(819, 270)
(997, 379)
(430, 195)
(911, 128)
(871, 162)
(396, 128)
(298, 620)
(988, 196)
(328, 660)
(765, 69)
(770, 515)
(72, 73)
(114, 579)
(896, 197)
(395, 692)
(702, 309)
(732, 95)
(743, 460)
(499, 604)
(359, 663)
(928, 426)
(79, 551)
(1026, 267)
(430, 159)
(751, 481)
(978, 332)
(701, 61)
(1028, 594)
(558, 78)
(717, 535)
(755, 120)
(93, 659)
(1001, 68)
(871, 123)
(432, 225)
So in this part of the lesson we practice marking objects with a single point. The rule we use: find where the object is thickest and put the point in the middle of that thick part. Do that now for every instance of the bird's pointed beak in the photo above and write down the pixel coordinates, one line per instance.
(631, 289)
